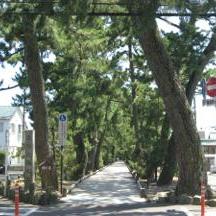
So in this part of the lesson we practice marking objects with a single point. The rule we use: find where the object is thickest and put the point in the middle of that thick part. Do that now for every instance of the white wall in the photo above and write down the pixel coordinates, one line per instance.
(15, 138)
(3, 134)
(206, 115)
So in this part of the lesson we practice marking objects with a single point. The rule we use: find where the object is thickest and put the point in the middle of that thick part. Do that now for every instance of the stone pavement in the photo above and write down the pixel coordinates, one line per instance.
(111, 191)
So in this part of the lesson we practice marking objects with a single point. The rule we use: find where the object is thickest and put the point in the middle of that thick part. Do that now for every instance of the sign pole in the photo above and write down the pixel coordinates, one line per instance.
(62, 137)
(61, 169)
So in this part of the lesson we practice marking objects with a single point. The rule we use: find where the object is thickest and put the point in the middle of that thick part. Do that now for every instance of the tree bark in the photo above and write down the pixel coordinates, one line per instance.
(81, 154)
(190, 158)
(92, 154)
(45, 160)
(102, 136)
(134, 117)
(170, 164)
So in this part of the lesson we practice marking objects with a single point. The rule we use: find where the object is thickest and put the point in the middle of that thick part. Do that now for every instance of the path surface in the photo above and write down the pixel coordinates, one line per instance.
(111, 191)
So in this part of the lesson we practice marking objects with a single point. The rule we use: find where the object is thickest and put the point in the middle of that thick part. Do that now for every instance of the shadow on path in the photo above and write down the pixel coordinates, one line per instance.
(111, 191)
(119, 210)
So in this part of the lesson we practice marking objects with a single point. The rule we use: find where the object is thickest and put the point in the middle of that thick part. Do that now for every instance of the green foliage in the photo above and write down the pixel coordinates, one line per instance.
(44, 198)
(2, 158)
(210, 73)
(37, 198)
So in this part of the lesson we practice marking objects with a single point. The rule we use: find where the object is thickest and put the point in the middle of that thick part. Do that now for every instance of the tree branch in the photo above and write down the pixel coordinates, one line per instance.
(196, 75)
(170, 23)
(9, 87)
(2, 59)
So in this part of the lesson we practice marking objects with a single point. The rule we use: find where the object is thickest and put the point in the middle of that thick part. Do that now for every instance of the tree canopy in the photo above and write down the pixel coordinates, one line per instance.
(125, 85)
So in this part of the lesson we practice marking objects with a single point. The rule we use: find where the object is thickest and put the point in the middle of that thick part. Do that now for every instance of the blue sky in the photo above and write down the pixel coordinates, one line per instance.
(6, 74)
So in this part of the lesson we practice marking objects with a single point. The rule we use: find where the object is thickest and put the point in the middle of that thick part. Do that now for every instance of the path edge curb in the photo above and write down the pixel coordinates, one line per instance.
(136, 178)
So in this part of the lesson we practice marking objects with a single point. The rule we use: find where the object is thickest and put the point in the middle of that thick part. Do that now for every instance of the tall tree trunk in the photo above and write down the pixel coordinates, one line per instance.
(81, 154)
(134, 117)
(170, 164)
(196, 75)
(45, 160)
(92, 154)
(189, 154)
(102, 136)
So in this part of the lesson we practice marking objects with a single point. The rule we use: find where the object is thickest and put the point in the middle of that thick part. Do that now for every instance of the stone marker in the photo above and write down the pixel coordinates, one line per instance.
(29, 147)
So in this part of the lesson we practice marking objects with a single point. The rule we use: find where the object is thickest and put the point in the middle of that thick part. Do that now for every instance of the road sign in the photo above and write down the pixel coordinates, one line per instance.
(62, 128)
(211, 87)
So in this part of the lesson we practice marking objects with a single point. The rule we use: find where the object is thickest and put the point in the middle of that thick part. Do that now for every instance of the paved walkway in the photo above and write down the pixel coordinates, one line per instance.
(111, 191)
(113, 185)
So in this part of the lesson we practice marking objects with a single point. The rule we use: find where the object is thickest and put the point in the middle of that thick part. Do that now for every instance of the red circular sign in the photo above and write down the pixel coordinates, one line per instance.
(211, 87)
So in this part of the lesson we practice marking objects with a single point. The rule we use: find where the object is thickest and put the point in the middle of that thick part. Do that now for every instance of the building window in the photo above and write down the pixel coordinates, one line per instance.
(1, 126)
(13, 128)
(19, 134)
(19, 129)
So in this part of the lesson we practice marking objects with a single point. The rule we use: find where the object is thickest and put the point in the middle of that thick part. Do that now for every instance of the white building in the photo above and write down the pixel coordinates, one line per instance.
(206, 124)
(11, 127)
(209, 148)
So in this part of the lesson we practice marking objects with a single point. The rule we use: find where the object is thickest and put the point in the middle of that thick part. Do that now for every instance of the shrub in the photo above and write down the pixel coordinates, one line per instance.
(2, 158)
(45, 198)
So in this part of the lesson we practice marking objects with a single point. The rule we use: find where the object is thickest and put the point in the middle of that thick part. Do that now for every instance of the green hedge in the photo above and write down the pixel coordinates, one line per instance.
(38, 198)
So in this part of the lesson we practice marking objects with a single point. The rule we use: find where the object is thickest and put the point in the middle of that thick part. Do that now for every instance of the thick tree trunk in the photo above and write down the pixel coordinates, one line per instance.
(102, 136)
(81, 154)
(190, 158)
(134, 117)
(196, 75)
(170, 164)
(92, 153)
(98, 155)
(45, 160)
